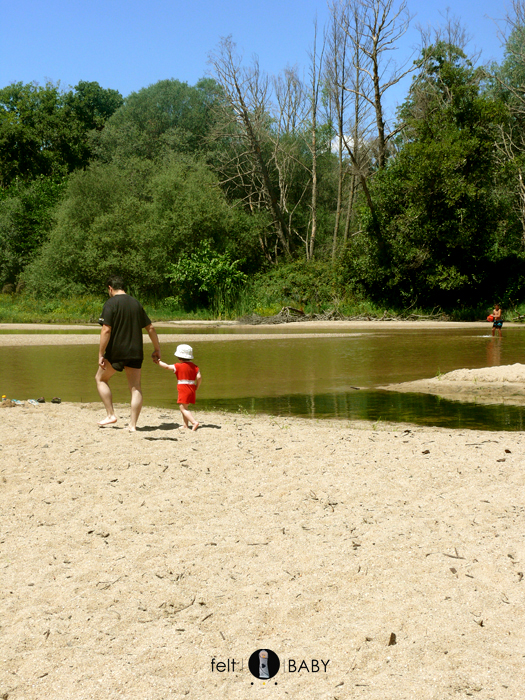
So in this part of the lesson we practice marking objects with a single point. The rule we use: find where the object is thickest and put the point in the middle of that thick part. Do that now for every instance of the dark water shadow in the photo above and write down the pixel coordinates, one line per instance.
(375, 405)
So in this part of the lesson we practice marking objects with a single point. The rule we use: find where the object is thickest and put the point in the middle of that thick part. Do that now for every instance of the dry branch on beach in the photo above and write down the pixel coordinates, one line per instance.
(289, 314)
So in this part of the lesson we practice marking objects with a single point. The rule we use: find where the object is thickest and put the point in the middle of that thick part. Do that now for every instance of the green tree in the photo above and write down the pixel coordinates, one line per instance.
(136, 218)
(43, 130)
(507, 83)
(442, 220)
(26, 218)
(168, 116)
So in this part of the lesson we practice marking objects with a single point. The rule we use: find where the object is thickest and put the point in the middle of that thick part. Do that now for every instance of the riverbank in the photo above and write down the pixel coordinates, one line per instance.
(9, 337)
(129, 561)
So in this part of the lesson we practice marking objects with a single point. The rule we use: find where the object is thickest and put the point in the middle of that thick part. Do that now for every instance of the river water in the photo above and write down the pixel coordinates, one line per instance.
(304, 375)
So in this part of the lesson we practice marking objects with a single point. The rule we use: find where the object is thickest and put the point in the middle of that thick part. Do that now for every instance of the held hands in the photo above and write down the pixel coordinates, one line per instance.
(102, 361)
(155, 356)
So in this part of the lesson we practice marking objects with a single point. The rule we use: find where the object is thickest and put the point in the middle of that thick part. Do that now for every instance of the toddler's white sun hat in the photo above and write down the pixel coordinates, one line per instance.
(185, 352)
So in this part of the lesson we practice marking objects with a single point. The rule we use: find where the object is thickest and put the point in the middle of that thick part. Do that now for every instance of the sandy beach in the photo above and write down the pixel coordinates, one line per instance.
(308, 329)
(130, 561)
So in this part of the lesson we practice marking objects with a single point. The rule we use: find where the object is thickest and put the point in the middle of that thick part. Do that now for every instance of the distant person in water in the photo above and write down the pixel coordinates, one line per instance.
(188, 381)
(498, 321)
(121, 348)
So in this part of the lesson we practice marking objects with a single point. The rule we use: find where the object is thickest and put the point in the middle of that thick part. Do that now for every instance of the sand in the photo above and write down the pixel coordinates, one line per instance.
(308, 329)
(130, 561)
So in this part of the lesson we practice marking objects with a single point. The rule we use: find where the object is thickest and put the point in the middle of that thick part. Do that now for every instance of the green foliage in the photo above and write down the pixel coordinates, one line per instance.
(507, 79)
(22, 308)
(92, 105)
(306, 285)
(167, 117)
(26, 217)
(136, 220)
(445, 227)
(43, 131)
(207, 278)
(443, 223)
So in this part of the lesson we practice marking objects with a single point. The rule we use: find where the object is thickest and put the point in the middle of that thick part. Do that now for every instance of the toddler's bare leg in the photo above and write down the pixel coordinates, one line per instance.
(184, 417)
(188, 416)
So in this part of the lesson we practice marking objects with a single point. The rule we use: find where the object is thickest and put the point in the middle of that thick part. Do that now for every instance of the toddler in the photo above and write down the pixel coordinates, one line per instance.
(188, 381)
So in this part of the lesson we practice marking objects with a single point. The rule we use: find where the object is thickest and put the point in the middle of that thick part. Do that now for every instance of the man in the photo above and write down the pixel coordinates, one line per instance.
(122, 321)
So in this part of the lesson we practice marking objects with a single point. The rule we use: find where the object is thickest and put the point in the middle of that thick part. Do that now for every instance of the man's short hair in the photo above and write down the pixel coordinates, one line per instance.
(115, 282)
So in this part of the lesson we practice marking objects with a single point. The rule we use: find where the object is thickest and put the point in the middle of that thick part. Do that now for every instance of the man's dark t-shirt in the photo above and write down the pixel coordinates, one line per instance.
(127, 318)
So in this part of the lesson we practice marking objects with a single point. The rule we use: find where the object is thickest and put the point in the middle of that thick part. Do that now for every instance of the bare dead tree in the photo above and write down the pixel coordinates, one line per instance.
(335, 77)
(296, 121)
(291, 101)
(346, 83)
(511, 144)
(248, 97)
(452, 33)
(514, 20)
(316, 66)
(374, 27)
(290, 119)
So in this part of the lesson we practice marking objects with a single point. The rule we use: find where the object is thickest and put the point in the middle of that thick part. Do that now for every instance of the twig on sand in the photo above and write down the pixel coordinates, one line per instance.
(289, 314)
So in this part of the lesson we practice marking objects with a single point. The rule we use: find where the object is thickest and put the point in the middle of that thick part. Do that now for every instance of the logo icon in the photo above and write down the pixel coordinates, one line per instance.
(264, 664)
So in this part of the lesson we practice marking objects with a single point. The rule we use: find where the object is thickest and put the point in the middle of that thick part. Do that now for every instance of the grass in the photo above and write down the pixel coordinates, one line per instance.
(19, 308)
(23, 308)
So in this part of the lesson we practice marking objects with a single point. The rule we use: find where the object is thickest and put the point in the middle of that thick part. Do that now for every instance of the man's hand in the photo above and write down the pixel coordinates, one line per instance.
(105, 334)
(155, 355)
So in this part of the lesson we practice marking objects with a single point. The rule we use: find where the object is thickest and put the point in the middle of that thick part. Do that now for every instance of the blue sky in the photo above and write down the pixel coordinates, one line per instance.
(129, 44)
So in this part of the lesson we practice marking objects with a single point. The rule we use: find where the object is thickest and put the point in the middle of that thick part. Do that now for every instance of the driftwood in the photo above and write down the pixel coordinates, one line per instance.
(289, 314)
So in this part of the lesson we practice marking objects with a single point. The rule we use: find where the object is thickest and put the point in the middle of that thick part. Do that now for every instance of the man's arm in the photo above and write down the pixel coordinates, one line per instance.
(155, 340)
(105, 334)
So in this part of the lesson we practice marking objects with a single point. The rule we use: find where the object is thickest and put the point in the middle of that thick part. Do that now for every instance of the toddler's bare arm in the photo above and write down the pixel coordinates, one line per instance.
(162, 364)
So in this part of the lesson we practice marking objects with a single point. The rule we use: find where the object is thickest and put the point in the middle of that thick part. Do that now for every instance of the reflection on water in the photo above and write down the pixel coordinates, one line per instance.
(494, 352)
(299, 376)
(377, 406)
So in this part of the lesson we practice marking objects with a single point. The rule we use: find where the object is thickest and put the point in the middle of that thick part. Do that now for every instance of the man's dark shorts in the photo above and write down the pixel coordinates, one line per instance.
(119, 365)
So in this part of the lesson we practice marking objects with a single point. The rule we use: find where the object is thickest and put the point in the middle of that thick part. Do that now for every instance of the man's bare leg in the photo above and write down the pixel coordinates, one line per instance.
(102, 378)
(133, 376)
